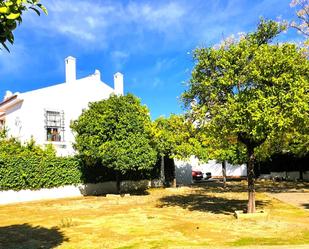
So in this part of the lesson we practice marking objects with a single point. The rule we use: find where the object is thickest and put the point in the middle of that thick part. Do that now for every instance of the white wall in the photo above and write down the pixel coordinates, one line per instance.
(11, 196)
(184, 168)
(183, 172)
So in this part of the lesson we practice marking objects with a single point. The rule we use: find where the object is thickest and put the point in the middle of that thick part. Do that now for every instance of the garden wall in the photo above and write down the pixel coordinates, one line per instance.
(11, 196)
(290, 175)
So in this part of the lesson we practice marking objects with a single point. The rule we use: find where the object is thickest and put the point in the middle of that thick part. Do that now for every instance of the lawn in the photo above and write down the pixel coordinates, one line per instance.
(196, 217)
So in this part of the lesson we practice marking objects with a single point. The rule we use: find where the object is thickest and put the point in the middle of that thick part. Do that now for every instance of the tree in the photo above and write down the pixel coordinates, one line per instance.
(250, 90)
(11, 15)
(225, 150)
(117, 133)
(175, 137)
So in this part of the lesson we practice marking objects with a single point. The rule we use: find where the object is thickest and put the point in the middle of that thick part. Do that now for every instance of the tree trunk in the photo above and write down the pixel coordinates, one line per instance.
(224, 173)
(162, 172)
(174, 184)
(118, 181)
(250, 175)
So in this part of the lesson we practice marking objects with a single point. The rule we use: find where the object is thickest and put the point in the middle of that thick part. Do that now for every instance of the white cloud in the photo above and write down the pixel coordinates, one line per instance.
(81, 34)
(148, 27)
(100, 23)
(160, 18)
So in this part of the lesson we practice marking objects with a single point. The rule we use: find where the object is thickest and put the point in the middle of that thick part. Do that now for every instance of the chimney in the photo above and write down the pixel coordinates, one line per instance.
(8, 94)
(118, 83)
(70, 69)
(97, 74)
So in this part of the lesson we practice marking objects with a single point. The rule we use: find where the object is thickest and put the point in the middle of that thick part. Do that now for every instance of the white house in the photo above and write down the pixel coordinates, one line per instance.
(45, 114)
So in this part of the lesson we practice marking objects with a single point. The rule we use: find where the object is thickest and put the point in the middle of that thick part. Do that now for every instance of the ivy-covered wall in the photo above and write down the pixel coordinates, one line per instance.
(29, 166)
(36, 172)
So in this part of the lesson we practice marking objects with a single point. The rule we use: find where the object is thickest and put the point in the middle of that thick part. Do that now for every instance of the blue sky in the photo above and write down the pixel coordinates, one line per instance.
(150, 42)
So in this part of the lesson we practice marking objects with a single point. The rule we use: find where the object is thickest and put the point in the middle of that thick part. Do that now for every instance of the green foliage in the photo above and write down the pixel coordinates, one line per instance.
(175, 136)
(116, 132)
(249, 90)
(228, 149)
(36, 172)
(266, 31)
(11, 15)
(13, 147)
(29, 166)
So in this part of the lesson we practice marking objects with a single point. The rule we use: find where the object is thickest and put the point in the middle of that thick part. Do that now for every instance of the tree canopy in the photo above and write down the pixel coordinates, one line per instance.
(11, 15)
(116, 132)
(175, 136)
(250, 90)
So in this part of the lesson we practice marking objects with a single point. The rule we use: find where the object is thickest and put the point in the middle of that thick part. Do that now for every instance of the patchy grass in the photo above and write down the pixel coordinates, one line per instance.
(195, 217)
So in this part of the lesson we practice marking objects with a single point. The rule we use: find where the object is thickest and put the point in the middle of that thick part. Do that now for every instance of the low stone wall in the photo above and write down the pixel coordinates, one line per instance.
(292, 175)
(11, 196)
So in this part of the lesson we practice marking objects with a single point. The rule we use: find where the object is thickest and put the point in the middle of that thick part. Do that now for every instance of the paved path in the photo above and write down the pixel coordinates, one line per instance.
(295, 199)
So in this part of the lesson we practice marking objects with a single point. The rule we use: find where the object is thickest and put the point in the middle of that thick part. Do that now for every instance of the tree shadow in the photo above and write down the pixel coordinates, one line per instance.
(306, 205)
(22, 236)
(139, 192)
(206, 203)
(217, 187)
(239, 186)
(281, 186)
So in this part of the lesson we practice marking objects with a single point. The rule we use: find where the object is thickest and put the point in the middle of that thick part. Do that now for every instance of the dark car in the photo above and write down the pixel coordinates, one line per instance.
(197, 175)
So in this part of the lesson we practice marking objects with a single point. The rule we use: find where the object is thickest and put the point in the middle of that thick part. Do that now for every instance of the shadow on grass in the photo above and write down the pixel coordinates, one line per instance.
(306, 205)
(24, 236)
(138, 192)
(239, 186)
(206, 203)
(217, 187)
(281, 186)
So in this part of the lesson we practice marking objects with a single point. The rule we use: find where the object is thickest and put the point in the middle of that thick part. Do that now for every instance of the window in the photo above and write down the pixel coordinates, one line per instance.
(54, 126)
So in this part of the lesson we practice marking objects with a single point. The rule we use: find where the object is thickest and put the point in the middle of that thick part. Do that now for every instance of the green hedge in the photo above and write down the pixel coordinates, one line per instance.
(36, 172)
(29, 166)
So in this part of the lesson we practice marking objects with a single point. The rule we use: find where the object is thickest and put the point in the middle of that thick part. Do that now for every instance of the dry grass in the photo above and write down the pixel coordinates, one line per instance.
(196, 217)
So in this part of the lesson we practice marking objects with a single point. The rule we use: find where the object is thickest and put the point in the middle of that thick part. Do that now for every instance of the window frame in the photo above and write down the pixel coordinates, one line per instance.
(54, 125)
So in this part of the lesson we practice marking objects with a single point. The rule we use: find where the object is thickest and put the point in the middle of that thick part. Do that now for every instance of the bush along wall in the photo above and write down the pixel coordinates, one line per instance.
(36, 172)
(28, 166)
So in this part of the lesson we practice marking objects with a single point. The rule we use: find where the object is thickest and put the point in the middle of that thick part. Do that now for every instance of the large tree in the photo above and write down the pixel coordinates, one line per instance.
(250, 89)
(116, 132)
(11, 15)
